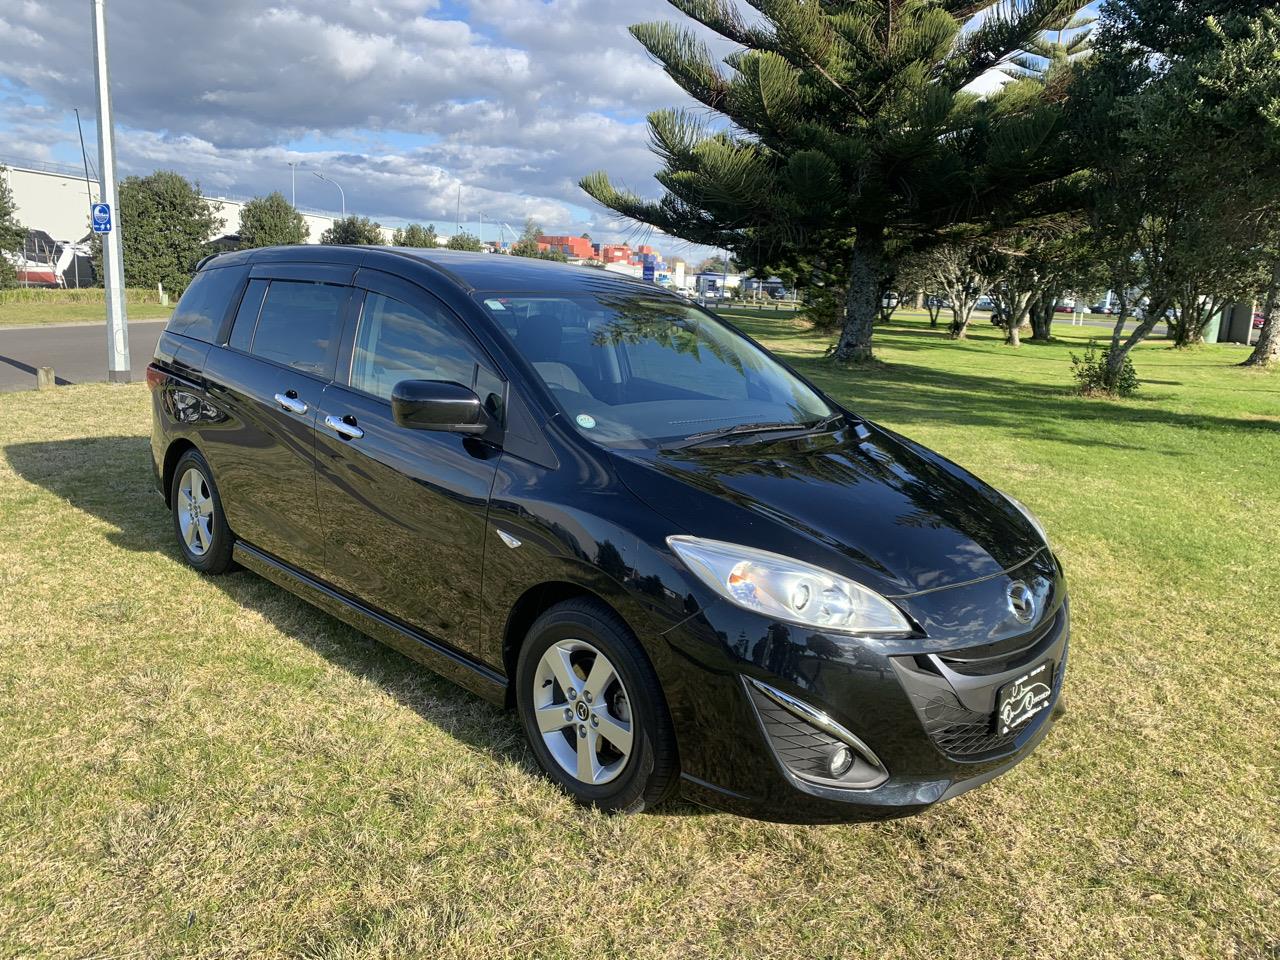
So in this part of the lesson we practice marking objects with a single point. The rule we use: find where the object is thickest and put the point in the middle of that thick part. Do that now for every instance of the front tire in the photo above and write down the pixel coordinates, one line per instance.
(198, 519)
(593, 710)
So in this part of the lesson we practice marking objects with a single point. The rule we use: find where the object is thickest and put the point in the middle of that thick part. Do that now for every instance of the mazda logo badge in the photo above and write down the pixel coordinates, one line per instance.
(1022, 602)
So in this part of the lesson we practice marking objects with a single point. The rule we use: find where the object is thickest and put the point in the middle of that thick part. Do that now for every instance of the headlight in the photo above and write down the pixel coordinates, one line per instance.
(788, 589)
(1031, 517)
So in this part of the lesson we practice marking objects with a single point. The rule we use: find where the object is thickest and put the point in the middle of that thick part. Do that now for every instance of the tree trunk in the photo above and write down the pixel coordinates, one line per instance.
(1016, 309)
(1194, 313)
(919, 299)
(1042, 315)
(961, 314)
(1266, 353)
(1121, 349)
(862, 303)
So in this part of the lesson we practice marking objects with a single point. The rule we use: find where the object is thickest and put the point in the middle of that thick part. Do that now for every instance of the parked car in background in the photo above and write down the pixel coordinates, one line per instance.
(1259, 320)
(684, 566)
(1102, 308)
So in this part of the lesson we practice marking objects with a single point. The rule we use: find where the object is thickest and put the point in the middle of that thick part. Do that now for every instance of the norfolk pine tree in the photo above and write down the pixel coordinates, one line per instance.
(849, 117)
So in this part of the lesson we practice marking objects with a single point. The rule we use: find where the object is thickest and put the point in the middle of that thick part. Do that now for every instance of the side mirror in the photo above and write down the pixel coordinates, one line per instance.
(438, 405)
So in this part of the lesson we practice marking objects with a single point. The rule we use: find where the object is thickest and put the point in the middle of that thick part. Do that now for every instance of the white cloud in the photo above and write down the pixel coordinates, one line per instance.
(405, 101)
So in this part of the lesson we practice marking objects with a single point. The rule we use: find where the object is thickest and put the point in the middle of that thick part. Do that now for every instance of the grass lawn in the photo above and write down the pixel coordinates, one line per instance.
(33, 306)
(197, 767)
(18, 314)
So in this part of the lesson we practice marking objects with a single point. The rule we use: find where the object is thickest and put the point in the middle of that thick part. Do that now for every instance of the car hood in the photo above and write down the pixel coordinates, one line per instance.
(863, 502)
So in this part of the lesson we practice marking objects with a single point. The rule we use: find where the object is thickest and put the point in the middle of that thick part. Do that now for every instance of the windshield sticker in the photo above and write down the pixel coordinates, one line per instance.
(495, 305)
(586, 421)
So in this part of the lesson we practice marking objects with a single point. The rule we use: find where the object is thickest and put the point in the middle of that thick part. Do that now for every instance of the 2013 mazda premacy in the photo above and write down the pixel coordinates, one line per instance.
(571, 492)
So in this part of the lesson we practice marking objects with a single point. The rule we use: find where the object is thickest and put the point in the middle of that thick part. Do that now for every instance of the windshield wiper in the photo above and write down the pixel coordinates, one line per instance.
(742, 429)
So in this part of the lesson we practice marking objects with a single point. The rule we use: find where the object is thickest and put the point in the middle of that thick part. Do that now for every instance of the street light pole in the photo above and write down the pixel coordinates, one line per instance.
(342, 196)
(118, 366)
(293, 181)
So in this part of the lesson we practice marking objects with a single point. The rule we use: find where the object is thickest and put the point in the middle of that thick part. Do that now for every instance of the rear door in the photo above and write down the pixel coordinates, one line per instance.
(268, 380)
(405, 510)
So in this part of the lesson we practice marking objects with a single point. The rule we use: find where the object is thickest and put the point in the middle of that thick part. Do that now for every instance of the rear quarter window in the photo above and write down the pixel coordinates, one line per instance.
(200, 312)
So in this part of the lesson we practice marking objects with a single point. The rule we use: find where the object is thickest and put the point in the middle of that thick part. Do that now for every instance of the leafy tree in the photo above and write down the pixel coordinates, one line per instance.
(1240, 102)
(850, 116)
(527, 245)
(271, 221)
(354, 231)
(166, 227)
(465, 241)
(12, 234)
(1038, 266)
(1171, 221)
(415, 235)
(965, 271)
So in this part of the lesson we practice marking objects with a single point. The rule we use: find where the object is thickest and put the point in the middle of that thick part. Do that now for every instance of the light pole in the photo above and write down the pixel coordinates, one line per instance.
(293, 181)
(118, 367)
(341, 195)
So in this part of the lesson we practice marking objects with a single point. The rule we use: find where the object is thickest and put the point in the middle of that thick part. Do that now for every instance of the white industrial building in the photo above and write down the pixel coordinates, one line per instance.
(55, 198)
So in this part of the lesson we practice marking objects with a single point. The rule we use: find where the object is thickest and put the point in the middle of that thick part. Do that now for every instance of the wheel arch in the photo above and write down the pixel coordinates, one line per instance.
(172, 454)
(531, 604)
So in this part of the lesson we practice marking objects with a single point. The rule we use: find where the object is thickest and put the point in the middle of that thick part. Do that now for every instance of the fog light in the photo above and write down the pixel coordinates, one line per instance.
(840, 763)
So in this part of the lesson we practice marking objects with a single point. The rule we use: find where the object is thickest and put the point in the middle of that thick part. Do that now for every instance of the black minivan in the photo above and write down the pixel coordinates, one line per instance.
(577, 494)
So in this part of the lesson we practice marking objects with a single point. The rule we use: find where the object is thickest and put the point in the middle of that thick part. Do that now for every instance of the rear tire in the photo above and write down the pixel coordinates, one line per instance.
(593, 710)
(199, 523)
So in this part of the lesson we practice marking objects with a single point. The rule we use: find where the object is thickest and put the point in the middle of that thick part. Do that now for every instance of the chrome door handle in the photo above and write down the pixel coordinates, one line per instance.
(343, 429)
(292, 404)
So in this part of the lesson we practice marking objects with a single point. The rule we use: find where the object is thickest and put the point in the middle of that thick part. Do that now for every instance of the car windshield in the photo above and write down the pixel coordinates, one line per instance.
(636, 370)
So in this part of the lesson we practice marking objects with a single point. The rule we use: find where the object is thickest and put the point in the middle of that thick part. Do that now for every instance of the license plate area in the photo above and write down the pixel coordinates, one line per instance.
(1021, 699)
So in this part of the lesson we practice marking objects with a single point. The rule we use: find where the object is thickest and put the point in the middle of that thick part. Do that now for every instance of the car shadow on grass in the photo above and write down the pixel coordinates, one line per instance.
(110, 478)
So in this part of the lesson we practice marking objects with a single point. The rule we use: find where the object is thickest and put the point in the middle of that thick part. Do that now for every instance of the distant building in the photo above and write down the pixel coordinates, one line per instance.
(54, 198)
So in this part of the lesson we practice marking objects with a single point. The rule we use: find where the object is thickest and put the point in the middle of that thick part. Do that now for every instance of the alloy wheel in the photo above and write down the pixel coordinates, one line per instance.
(583, 711)
(195, 512)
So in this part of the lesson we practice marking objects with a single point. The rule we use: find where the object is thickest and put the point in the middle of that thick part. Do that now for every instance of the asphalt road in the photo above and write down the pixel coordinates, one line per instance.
(76, 351)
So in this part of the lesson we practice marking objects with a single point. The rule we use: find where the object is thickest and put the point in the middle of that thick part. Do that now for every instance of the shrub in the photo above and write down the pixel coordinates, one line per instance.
(1090, 373)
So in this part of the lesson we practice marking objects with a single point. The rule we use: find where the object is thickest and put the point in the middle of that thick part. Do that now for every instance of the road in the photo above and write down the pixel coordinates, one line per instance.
(76, 351)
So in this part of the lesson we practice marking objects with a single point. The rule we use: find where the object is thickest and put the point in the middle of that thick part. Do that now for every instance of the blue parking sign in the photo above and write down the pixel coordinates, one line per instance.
(101, 218)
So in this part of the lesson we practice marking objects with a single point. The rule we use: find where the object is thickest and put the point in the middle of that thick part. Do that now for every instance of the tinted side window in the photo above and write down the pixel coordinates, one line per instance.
(200, 312)
(397, 342)
(299, 325)
(247, 316)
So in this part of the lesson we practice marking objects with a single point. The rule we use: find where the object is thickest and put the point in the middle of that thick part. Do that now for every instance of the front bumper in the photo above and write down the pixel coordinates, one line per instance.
(924, 706)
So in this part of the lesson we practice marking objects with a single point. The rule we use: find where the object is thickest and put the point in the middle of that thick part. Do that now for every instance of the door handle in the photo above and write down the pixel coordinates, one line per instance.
(289, 401)
(343, 429)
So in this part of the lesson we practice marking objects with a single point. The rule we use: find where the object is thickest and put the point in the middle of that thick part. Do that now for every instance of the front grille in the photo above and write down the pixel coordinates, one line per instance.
(1006, 655)
(959, 732)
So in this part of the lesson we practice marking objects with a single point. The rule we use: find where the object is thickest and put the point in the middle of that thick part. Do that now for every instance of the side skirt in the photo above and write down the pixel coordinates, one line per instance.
(449, 663)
